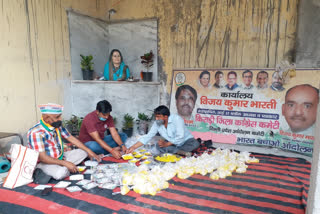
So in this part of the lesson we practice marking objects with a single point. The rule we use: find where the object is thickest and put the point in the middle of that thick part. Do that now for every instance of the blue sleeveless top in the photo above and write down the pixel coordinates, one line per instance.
(117, 74)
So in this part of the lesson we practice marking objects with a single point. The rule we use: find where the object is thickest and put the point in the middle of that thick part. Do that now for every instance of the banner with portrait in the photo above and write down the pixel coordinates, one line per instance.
(258, 107)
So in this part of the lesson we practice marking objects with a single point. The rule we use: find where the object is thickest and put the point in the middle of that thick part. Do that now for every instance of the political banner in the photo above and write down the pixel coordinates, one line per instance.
(259, 107)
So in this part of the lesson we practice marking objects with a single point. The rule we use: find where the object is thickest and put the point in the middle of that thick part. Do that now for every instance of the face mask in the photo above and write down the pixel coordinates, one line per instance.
(159, 122)
(102, 119)
(56, 124)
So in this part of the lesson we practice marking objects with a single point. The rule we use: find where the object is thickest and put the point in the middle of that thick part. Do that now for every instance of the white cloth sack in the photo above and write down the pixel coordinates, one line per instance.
(23, 163)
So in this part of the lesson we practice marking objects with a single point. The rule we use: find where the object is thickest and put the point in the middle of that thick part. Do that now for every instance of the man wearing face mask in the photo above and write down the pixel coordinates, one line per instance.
(176, 137)
(93, 128)
(46, 138)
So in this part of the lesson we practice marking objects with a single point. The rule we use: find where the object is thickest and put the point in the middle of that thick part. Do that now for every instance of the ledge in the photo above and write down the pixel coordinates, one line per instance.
(113, 82)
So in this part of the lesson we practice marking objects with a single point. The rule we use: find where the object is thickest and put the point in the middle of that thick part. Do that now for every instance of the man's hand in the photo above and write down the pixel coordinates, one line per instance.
(92, 155)
(130, 150)
(124, 148)
(116, 153)
(71, 167)
(134, 147)
(162, 143)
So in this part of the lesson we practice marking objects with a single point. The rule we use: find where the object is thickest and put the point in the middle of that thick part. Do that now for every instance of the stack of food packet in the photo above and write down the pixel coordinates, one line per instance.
(150, 179)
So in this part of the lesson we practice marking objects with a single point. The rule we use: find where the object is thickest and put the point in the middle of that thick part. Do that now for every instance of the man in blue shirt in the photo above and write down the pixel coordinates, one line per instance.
(176, 137)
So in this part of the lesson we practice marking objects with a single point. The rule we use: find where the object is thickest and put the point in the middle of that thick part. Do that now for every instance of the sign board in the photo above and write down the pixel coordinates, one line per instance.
(249, 106)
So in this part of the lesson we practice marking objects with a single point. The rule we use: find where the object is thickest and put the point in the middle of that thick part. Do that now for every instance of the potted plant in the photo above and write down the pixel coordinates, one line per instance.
(147, 61)
(128, 124)
(143, 123)
(73, 125)
(87, 67)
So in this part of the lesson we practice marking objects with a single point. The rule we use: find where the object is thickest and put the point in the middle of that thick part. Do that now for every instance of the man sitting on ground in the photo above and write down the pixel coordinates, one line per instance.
(46, 138)
(176, 137)
(94, 126)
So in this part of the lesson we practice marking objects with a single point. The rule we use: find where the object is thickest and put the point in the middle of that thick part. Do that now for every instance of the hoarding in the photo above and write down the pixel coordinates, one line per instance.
(249, 106)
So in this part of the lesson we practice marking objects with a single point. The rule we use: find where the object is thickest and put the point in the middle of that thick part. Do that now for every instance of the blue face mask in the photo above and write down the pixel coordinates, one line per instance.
(102, 119)
(159, 122)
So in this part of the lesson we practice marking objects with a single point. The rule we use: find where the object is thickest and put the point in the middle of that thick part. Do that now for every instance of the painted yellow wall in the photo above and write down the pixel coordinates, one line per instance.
(35, 52)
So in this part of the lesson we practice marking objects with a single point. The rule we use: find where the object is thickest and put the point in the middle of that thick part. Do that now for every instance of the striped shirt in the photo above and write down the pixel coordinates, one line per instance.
(42, 140)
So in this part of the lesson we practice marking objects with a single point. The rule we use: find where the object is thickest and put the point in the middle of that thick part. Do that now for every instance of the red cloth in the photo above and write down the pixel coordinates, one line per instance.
(92, 123)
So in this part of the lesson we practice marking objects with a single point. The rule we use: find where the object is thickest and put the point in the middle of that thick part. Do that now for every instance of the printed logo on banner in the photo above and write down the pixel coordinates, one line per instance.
(180, 79)
(252, 107)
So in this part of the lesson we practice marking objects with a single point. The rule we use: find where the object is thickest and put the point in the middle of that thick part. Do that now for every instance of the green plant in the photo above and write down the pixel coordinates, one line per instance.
(143, 117)
(128, 121)
(147, 60)
(86, 62)
(74, 124)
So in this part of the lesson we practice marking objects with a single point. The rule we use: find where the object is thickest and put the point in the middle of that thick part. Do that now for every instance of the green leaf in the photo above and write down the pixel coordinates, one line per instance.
(128, 121)
(86, 62)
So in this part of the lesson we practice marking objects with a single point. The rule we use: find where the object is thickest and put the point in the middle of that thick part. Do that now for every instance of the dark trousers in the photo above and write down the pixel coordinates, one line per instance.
(188, 146)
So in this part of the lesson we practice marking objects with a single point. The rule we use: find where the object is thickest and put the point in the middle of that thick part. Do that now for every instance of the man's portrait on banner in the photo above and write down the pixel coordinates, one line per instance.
(219, 82)
(247, 76)
(277, 82)
(186, 97)
(300, 108)
(262, 80)
(232, 80)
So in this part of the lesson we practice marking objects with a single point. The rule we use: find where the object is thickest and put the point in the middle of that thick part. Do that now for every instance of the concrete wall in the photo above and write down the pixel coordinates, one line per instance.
(134, 39)
(35, 60)
(314, 188)
(96, 37)
(308, 56)
(88, 36)
(35, 46)
(308, 35)
(125, 97)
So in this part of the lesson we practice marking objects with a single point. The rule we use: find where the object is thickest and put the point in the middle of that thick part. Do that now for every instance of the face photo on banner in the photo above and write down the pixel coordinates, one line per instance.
(277, 82)
(204, 80)
(232, 80)
(247, 76)
(251, 106)
(300, 108)
(262, 80)
(219, 80)
(186, 97)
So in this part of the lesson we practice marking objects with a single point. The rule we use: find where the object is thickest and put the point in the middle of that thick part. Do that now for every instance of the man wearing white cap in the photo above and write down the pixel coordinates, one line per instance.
(46, 138)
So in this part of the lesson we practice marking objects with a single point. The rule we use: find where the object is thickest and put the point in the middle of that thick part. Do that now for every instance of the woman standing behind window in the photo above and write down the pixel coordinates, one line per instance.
(115, 69)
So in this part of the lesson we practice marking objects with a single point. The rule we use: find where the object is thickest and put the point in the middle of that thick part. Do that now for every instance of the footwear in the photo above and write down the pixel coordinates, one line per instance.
(186, 154)
(39, 177)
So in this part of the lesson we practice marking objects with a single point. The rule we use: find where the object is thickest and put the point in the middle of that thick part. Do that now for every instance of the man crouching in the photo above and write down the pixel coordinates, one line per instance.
(46, 138)
(176, 137)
